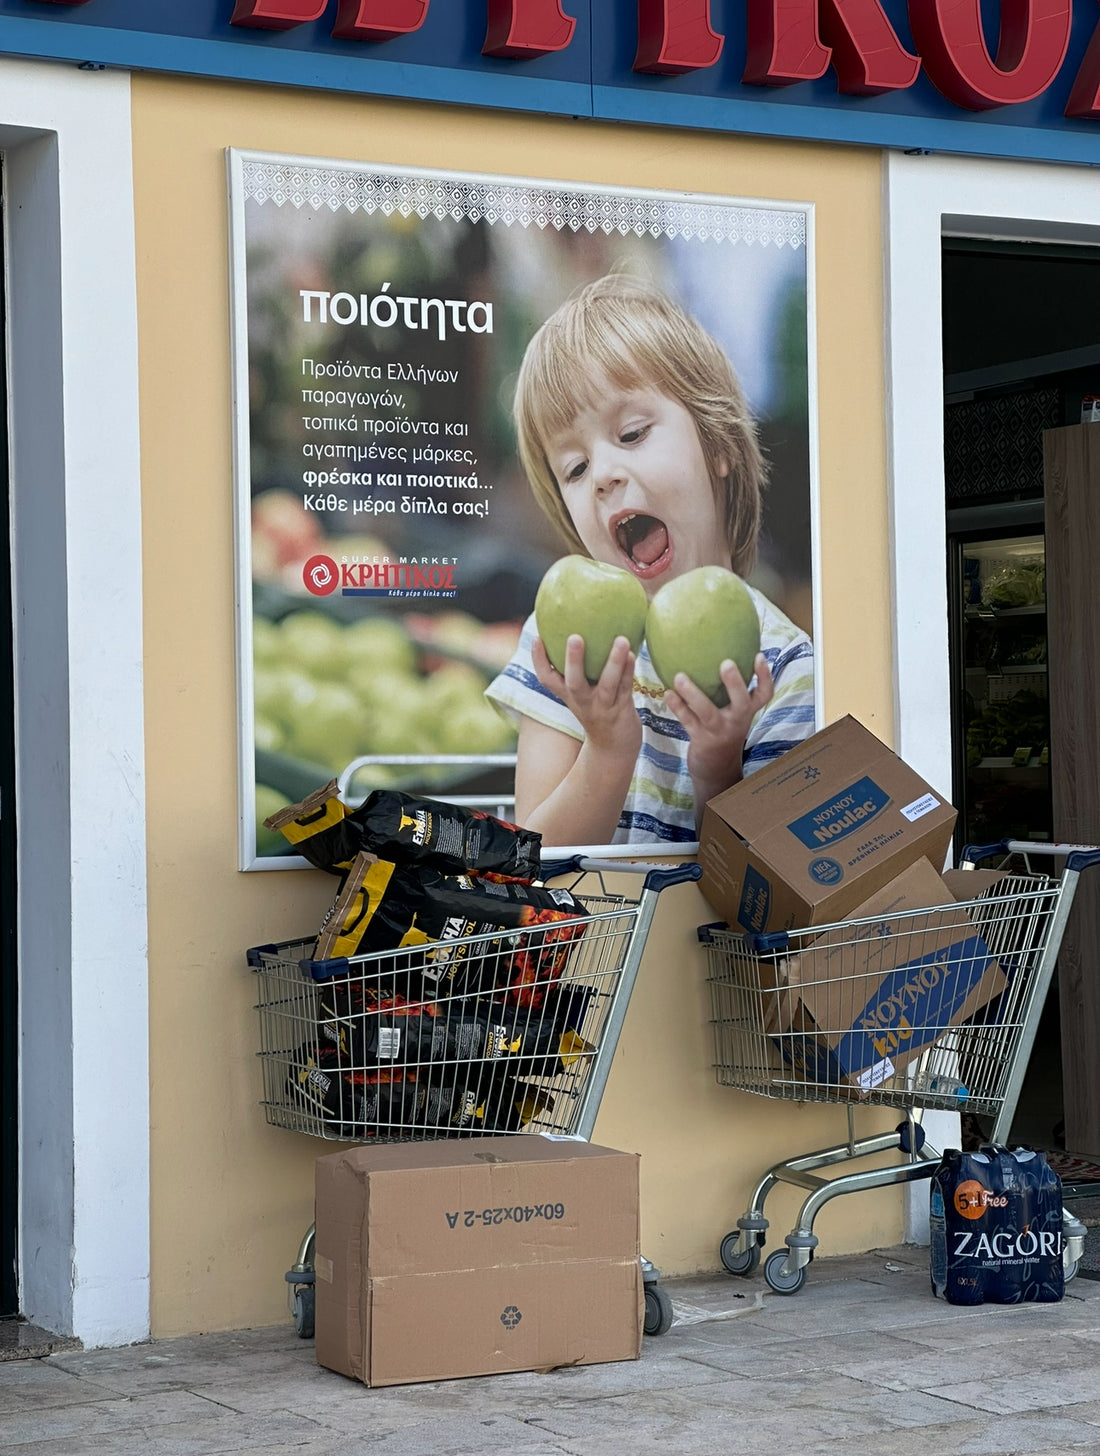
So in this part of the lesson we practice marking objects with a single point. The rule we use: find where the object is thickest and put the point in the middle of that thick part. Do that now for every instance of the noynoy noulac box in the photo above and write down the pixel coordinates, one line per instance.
(474, 1256)
(865, 1000)
(807, 838)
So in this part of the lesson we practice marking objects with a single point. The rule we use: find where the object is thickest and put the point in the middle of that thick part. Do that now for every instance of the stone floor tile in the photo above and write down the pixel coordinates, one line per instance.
(52, 1423)
(777, 1358)
(21, 1340)
(187, 1363)
(229, 1433)
(1025, 1390)
(978, 1436)
(924, 1369)
(27, 1385)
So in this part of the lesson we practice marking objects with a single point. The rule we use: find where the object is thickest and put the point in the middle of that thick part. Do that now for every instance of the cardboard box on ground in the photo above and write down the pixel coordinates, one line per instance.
(838, 830)
(455, 1258)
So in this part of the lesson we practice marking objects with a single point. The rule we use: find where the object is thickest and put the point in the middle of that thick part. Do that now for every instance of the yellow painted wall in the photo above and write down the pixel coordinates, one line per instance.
(231, 1197)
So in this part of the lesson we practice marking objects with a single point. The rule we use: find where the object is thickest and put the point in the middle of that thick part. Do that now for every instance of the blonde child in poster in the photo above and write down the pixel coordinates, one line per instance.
(638, 444)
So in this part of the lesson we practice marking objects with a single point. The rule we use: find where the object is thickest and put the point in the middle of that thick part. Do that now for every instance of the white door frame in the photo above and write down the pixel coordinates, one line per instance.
(927, 198)
(76, 561)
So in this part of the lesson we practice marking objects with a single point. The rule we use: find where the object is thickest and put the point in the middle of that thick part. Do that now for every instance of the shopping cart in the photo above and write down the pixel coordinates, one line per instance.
(1004, 946)
(369, 1049)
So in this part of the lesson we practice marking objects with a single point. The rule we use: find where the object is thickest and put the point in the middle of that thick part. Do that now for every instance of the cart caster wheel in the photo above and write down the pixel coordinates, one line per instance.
(735, 1260)
(658, 1310)
(1070, 1271)
(305, 1305)
(777, 1279)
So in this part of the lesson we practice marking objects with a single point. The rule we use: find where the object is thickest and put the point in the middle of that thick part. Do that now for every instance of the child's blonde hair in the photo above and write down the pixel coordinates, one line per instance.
(637, 337)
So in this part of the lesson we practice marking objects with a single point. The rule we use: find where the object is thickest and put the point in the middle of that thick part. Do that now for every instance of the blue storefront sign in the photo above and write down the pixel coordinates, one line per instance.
(989, 77)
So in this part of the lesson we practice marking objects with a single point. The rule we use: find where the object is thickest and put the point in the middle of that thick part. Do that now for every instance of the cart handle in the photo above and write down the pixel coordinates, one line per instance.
(1078, 856)
(705, 933)
(657, 877)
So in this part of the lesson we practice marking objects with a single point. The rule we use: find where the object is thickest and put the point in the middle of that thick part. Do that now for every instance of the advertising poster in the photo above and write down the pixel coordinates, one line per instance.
(391, 541)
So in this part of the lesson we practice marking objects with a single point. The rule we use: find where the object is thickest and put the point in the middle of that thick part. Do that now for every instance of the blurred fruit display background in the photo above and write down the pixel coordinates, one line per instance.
(329, 678)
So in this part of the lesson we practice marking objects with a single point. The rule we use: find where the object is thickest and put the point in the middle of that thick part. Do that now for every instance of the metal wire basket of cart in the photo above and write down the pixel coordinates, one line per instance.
(508, 1032)
(927, 1010)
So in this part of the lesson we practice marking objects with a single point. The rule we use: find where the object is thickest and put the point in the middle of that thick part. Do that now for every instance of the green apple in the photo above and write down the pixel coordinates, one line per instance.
(697, 621)
(598, 601)
(282, 694)
(313, 643)
(330, 730)
(380, 643)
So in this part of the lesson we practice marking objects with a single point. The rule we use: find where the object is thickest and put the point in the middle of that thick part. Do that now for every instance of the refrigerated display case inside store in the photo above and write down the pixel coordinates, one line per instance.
(1002, 717)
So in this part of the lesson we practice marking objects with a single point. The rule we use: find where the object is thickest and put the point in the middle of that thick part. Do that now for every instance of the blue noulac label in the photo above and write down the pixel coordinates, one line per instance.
(841, 815)
(756, 899)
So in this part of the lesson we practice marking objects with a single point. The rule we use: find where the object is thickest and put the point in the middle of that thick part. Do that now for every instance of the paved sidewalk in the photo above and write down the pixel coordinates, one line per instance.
(864, 1359)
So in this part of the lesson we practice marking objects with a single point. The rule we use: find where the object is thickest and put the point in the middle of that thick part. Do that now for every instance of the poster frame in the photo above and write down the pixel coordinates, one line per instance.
(236, 161)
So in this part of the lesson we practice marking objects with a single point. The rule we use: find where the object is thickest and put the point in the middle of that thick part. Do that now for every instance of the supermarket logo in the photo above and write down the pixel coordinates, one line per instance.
(321, 575)
(407, 577)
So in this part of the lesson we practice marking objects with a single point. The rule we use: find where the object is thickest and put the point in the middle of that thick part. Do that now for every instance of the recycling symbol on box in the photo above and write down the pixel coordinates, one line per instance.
(510, 1317)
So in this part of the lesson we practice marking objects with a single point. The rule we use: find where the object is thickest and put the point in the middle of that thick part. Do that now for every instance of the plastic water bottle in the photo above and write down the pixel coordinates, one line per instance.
(947, 1087)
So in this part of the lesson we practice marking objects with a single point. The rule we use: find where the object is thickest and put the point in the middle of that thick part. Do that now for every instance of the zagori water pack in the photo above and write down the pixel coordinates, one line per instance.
(996, 1228)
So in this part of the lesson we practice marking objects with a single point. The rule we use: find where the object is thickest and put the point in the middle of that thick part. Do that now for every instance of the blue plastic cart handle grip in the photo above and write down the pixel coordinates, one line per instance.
(555, 867)
(973, 853)
(705, 933)
(1082, 859)
(770, 944)
(683, 874)
(326, 970)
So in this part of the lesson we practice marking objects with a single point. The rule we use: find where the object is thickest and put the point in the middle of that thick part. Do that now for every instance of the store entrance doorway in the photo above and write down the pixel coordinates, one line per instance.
(1021, 355)
(9, 1020)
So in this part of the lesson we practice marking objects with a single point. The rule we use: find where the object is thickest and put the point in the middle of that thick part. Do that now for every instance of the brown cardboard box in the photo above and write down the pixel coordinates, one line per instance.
(806, 839)
(475, 1256)
(862, 1002)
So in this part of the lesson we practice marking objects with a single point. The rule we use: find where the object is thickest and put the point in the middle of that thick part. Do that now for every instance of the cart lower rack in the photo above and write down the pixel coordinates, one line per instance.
(504, 1032)
(937, 1011)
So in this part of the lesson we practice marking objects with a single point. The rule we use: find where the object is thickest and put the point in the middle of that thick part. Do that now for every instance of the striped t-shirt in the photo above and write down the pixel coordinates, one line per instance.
(660, 804)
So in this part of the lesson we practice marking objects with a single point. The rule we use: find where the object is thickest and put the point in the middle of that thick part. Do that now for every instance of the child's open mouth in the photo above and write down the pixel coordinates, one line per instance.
(644, 541)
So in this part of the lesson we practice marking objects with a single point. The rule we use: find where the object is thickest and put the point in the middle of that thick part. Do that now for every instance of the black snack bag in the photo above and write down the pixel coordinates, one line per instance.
(481, 1099)
(529, 1042)
(352, 1104)
(406, 829)
(370, 1027)
(439, 836)
(320, 830)
(385, 907)
(374, 1028)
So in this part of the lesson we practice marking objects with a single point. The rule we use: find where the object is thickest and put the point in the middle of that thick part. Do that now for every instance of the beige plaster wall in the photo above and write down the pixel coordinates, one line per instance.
(231, 1197)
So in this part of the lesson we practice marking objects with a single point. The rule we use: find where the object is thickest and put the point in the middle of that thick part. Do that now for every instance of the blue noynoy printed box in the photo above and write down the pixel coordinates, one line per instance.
(804, 840)
(863, 1000)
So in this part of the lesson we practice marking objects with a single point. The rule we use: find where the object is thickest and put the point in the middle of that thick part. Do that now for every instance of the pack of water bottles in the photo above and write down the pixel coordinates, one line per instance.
(997, 1231)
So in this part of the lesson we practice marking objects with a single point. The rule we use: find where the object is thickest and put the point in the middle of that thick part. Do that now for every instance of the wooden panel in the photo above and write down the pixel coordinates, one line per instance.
(1071, 459)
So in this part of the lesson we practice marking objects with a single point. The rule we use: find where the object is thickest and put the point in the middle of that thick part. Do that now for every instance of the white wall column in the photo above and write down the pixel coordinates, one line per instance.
(76, 515)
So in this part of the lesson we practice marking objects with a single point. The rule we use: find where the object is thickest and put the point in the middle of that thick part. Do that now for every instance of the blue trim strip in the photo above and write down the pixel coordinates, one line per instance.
(240, 61)
(84, 44)
(826, 124)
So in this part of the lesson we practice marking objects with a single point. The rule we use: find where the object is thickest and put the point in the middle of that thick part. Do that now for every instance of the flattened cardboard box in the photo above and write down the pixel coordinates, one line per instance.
(807, 838)
(476, 1256)
(863, 1002)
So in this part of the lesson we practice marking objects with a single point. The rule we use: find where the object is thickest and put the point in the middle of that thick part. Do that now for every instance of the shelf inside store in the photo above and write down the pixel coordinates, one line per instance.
(1007, 762)
(981, 610)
